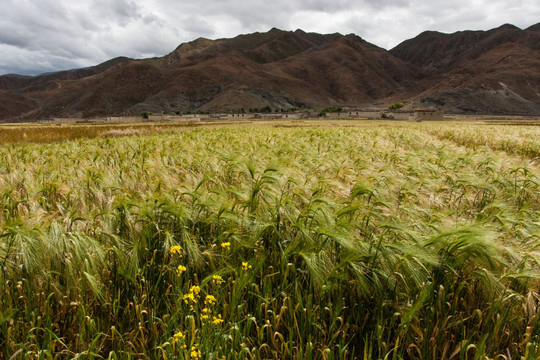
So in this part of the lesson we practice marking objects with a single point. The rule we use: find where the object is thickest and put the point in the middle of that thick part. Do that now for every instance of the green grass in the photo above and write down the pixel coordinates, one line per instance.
(383, 241)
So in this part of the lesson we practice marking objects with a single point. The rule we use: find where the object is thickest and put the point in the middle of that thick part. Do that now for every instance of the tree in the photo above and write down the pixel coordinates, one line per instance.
(331, 109)
(145, 114)
(396, 106)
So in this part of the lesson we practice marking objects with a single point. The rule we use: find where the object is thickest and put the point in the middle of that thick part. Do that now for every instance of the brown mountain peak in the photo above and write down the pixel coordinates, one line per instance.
(535, 27)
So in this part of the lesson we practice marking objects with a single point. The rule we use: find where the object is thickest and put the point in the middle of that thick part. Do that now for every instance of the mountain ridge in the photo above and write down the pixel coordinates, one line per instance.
(493, 71)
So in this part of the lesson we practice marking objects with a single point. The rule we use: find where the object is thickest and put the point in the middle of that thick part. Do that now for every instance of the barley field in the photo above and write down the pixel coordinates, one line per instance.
(306, 240)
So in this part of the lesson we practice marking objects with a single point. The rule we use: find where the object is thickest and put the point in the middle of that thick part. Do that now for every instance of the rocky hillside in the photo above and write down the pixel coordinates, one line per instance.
(493, 72)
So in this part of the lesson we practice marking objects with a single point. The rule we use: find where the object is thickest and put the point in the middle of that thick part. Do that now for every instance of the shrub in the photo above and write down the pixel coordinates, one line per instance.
(396, 106)
(145, 114)
(329, 109)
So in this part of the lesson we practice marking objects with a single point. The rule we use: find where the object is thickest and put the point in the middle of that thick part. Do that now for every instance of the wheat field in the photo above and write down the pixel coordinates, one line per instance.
(306, 240)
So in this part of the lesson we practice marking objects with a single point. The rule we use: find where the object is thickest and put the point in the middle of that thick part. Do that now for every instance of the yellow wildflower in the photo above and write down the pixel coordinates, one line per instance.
(245, 266)
(210, 300)
(205, 314)
(194, 352)
(189, 297)
(226, 245)
(216, 279)
(195, 289)
(192, 295)
(176, 249)
(178, 336)
(217, 320)
(180, 269)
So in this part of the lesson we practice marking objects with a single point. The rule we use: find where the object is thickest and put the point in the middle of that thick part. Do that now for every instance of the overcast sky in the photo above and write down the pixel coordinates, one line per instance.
(39, 36)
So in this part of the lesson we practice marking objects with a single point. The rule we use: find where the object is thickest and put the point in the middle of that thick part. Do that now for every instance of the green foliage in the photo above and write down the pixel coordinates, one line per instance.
(396, 106)
(189, 112)
(265, 109)
(329, 109)
(316, 242)
(145, 114)
(290, 110)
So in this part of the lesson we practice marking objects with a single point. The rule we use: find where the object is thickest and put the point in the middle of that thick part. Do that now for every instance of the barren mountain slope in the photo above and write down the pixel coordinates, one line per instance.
(279, 69)
(495, 71)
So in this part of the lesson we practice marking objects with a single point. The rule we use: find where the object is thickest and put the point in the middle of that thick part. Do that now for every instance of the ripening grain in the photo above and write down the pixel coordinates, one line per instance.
(402, 241)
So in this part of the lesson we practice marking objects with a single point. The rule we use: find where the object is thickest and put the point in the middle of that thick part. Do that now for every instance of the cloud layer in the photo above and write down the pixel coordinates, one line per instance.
(39, 36)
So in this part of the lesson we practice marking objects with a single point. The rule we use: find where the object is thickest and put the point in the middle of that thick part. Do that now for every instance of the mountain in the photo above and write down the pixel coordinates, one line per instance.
(495, 71)
(280, 69)
(535, 27)
(492, 71)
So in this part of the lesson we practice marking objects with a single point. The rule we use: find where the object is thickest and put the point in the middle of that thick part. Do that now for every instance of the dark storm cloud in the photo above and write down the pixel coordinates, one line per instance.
(46, 35)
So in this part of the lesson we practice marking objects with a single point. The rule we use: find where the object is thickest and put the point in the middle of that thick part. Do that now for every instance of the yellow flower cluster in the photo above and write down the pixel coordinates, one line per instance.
(176, 249)
(216, 280)
(192, 296)
(195, 352)
(179, 336)
(210, 300)
(205, 314)
(208, 315)
(180, 269)
(245, 266)
(189, 297)
(217, 320)
(226, 245)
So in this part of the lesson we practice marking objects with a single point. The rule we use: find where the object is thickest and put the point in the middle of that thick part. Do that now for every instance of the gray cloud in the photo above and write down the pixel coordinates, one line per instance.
(45, 35)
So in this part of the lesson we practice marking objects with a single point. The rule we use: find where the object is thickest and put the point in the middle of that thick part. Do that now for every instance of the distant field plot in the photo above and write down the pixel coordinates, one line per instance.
(282, 240)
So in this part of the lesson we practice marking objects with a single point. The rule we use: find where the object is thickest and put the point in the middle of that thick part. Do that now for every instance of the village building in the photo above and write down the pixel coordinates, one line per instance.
(194, 117)
(337, 115)
(270, 116)
(422, 114)
(399, 115)
(365, 114)
(240, 116)
(417, 114)
(355, 114)
(218, 116)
